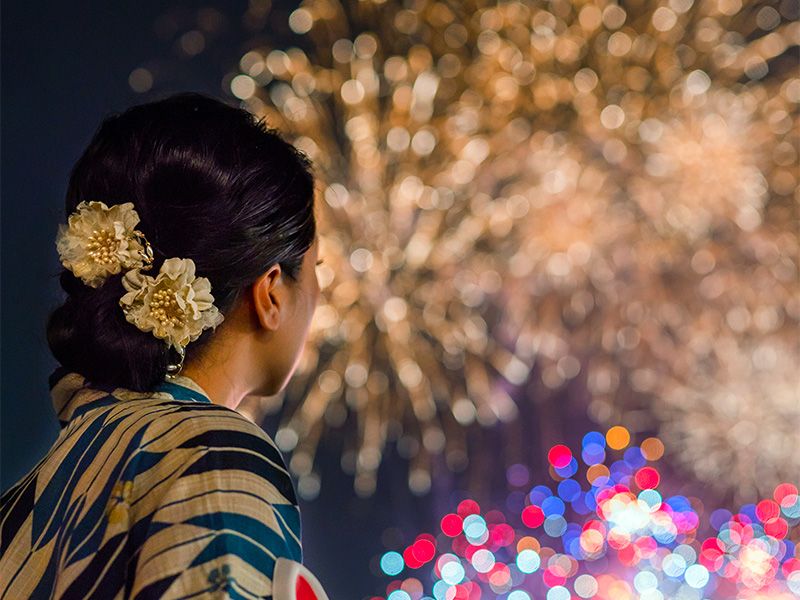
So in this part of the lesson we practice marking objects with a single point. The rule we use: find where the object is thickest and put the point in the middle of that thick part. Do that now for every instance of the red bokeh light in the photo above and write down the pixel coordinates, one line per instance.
(783, 490)
(766, 510)
(647, 478)
(468, 507)
(532, 516)
(412, 562)
(423, 550)
(451, 525)
(559, 456)
(777, 528)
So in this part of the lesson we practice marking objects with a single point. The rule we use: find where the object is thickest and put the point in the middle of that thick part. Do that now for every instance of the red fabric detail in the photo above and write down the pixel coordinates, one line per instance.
(303, 590)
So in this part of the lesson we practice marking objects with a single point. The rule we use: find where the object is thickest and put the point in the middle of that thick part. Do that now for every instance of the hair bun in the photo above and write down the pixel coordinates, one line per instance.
(89, 334)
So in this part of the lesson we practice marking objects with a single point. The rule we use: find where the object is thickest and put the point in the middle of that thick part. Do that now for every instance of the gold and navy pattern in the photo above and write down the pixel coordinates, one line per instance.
(159, 494)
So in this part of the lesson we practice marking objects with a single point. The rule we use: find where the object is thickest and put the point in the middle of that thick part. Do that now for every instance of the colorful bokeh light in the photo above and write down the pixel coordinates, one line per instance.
(609, 533)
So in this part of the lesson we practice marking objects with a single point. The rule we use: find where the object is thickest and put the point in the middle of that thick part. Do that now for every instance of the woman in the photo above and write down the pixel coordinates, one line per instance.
(189, 258)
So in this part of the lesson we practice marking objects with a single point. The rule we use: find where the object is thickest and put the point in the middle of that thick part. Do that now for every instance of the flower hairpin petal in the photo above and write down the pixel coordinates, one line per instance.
(175, 305)
(100, 241)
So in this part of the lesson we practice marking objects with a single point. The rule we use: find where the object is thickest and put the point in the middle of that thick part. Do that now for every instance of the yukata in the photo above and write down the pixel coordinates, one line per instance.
(159, 494)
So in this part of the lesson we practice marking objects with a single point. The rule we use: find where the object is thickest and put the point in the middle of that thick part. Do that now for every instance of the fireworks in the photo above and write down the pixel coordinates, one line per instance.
(582, 190)
(604, 531)
(748, 418)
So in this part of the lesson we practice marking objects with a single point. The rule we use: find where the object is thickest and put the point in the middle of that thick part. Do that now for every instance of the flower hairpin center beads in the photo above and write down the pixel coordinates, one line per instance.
(103, 246)
(165, 309)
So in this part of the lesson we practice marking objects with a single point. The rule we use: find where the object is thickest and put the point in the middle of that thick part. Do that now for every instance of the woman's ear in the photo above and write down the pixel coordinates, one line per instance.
(267, 298)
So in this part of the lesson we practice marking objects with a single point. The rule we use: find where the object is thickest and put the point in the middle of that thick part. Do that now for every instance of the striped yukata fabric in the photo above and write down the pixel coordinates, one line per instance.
(159, 494)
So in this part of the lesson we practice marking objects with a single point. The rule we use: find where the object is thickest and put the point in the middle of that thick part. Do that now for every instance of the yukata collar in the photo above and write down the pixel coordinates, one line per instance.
(183, 387)
(72, 394)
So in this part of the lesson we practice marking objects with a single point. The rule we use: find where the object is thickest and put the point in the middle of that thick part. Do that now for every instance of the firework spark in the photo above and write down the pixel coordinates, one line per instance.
(593, 191)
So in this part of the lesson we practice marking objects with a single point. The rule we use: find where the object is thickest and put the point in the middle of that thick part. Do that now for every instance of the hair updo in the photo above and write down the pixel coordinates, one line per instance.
(210, 182)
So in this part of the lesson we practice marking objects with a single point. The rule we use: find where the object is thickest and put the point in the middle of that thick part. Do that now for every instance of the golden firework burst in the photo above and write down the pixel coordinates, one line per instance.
(592, 190)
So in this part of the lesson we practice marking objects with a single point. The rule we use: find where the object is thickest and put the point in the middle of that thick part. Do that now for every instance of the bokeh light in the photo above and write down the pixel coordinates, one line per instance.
(636, 542)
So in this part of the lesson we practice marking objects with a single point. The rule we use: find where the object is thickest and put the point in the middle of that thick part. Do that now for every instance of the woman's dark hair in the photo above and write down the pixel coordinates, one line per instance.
(210, 182)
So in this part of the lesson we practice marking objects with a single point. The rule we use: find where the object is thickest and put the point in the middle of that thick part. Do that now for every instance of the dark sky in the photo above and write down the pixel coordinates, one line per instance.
(64, 67)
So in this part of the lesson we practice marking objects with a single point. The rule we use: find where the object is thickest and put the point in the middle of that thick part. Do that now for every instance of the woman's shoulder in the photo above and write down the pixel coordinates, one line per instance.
(216, 444)
(214, 488)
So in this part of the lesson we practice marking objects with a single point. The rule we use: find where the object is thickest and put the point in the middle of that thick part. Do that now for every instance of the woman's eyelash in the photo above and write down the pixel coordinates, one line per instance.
(319, 262)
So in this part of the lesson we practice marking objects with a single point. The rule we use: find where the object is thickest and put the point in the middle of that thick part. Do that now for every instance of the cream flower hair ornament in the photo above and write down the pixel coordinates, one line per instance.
(100, 241)
(174, 306)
